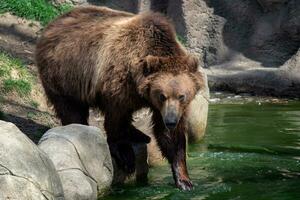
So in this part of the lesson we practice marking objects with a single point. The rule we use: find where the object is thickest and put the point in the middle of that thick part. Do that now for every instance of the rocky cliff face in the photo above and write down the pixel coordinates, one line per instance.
(245, 46)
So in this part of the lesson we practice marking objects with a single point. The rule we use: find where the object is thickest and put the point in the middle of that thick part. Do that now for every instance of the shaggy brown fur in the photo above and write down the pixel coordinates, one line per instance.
(120, 63)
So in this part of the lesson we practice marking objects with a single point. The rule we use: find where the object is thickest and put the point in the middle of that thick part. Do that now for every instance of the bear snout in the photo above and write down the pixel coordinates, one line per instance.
(171, 119)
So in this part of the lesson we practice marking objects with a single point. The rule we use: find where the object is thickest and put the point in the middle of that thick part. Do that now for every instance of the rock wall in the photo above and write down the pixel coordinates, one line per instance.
(245, 46)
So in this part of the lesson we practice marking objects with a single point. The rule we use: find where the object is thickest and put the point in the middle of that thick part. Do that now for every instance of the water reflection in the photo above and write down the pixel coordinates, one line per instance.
(269, 126)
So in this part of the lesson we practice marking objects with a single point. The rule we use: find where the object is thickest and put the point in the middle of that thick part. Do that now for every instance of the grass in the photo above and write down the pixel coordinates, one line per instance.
(38, 10)
(14, 76)
(34, 104)
(31, 115)
(23, 87)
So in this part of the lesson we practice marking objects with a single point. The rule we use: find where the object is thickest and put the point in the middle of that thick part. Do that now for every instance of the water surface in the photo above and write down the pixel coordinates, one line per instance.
(250, 151)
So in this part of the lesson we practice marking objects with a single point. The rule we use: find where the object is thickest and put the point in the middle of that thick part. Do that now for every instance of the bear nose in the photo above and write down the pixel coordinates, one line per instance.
(171, 120)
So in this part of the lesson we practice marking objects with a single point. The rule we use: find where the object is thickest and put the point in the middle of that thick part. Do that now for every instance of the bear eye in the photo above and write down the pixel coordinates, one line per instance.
(162, 97)
(181, 98)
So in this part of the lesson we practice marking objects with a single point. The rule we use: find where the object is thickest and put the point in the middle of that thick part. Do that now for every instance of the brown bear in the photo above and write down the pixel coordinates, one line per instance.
(120, 62)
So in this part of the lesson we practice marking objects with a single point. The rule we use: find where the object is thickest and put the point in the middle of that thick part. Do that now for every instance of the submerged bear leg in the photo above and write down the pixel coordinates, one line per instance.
(70, 111)
(173, 147)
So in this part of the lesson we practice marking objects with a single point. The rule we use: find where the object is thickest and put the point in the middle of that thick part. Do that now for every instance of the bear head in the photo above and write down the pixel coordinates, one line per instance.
(169, 84)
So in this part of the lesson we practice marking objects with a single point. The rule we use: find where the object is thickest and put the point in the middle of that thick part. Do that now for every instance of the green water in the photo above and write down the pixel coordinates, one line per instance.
(250, 152)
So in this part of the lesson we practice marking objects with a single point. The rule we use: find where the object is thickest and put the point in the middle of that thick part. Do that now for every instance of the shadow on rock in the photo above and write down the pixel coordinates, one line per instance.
(29, 127)
(256, 32)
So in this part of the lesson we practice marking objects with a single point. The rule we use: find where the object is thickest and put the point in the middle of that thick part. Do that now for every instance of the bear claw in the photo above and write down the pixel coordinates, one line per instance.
(185, 185)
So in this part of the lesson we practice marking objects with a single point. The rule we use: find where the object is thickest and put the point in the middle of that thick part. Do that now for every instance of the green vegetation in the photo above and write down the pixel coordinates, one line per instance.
(31, 115)
(39, 10)
(14, 76)
(23, 87)
(34, 104)
(181, 39)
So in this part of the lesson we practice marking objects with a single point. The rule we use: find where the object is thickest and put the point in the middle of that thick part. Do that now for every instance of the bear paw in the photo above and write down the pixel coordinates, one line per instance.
(185, 185)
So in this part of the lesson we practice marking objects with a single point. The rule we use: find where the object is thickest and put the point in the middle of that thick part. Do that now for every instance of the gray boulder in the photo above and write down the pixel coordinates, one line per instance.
(82, 159)
(25, 171)
(269, 5)
(198, 112)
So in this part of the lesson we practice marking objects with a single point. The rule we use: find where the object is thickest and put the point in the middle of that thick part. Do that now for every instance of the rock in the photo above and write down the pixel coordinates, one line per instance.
(260, 82)
(198, 112)
(197, 118)
(82, 159)
(292, 24)
(270, 5)
(200, 29)
(125, 5)
(73, 2)
(293, 64)
(25, 171)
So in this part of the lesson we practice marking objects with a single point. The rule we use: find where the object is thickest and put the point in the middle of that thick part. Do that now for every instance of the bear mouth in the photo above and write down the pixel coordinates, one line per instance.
(171, 125)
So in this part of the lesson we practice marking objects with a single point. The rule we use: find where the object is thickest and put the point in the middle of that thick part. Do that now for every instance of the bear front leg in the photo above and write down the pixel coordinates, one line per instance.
(173, 147)
(179, 168)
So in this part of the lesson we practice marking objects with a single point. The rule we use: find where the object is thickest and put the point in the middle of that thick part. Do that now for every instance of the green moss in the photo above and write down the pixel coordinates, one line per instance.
(34, 104)
(7, 63)
(31, 115)
(39, 10)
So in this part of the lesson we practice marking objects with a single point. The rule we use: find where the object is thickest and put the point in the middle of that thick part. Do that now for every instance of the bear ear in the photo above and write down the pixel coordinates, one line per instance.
(150, 64)
(193, 62)
(144, 88)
